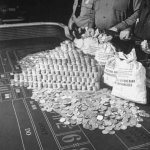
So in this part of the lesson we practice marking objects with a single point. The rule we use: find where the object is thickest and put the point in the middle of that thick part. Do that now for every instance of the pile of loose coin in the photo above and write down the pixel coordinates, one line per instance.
(64, 67)
(94, 110)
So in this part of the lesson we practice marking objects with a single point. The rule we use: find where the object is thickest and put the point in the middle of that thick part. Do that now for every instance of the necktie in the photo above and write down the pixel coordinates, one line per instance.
(78, 9)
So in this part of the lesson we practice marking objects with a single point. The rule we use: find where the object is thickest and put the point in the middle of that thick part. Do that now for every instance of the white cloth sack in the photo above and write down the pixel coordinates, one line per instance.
(110, 72)
(130, 79)
(106, 51)
(88, 45)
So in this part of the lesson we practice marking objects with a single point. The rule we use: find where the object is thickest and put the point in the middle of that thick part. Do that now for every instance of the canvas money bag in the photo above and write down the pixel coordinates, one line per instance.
(110, 72)
(106, 51)
(130, 79)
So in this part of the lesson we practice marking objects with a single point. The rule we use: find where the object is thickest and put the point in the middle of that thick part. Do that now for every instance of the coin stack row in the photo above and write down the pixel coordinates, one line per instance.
(59, 53)
(66, 68)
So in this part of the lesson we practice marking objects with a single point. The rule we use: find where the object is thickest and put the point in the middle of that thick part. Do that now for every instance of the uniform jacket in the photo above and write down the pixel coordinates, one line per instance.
(85, 19)
(119, 13)
(105, 14)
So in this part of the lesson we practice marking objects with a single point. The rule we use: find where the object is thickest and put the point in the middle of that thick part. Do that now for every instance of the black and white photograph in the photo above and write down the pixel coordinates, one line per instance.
(75, 74)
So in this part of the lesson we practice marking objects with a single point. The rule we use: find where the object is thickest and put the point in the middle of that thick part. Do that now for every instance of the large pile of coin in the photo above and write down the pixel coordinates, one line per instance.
(91, 109)
(64, 67)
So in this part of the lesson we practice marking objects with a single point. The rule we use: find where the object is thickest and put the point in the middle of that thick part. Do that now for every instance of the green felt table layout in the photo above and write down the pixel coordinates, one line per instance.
(23, 126)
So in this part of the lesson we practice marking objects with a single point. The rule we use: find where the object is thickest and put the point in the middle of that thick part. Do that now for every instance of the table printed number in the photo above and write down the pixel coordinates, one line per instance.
(34, 107)
(28, 131)
(71, 138)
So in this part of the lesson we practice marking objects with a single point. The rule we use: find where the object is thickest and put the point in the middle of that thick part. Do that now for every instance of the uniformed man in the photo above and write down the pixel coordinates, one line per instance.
(116, 15)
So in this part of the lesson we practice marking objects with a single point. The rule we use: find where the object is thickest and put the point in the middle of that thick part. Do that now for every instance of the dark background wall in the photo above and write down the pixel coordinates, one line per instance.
(37, 10)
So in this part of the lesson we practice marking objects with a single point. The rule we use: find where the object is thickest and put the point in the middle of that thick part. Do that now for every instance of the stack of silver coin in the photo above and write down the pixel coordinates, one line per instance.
(64, 67)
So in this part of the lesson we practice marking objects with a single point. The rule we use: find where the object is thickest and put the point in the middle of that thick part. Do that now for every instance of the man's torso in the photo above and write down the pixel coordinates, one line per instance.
(110, 12)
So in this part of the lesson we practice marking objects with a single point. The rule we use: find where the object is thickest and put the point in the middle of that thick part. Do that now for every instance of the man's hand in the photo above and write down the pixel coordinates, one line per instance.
(125, 34)
(67, 33)
(145, 47)
(113, 29)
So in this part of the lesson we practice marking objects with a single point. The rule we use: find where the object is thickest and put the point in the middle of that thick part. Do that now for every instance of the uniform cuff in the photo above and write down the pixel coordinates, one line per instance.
(122, 26)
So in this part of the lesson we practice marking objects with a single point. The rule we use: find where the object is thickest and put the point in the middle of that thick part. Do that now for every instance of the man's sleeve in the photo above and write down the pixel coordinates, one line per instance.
(131, 19)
